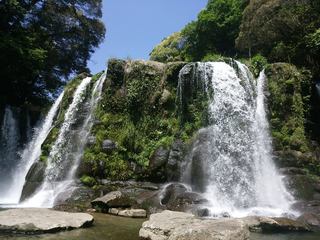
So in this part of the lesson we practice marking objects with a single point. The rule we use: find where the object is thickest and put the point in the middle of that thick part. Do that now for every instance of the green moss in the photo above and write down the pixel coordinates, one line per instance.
(138, 112)
(213, 58)
(288, 103)
(88, 181)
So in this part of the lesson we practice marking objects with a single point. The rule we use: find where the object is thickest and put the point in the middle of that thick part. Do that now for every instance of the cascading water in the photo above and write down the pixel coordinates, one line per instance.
(31, 153)
(9, 142)
(318, 88)
(231, 160)
(68, 148)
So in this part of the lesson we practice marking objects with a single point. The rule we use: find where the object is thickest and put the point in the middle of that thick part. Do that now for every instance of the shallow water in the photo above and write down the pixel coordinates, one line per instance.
(118, 228)
(297, 236)
(105, 227)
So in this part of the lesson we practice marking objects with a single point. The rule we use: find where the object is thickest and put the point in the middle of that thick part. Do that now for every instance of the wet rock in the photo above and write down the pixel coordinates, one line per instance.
(307, 206)
(114, 199)
(133, 213)
(316, 187)
(292, 158)
(297, 183)
(34, 179)
(316, 196)
(37, 221)
(78, 201)
(174, 160)
(286, 225)
(293, 171)
(148, 200)
(310, 219)
(177, 225)
(108, 145)
(202, 212)
(186, 201)
(171, 191)
(157, 165)
(197, 161)
(91, 140)
(275, 225)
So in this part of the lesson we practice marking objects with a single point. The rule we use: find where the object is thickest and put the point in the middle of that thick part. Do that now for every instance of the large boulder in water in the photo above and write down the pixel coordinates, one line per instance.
(37, 221)
(177, 225)
(310, 219)
(177, 197)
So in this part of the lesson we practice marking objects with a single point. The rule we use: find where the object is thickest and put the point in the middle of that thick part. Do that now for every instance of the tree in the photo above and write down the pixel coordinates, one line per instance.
(281, 30)
(215, 30)
(169, 50)
(42, 43)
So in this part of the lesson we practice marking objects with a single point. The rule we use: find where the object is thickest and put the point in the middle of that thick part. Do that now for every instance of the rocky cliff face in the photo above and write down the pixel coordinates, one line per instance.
(296, 150)
(138, 116)
(143, 129)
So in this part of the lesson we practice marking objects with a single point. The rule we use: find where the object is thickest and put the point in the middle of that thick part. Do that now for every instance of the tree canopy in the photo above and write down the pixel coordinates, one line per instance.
(282, 31)
(214, 31)
(42, 43)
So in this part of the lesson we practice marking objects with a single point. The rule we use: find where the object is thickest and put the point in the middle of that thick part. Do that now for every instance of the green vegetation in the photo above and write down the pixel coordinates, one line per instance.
(138, 112)
(88, 181)
(282, 31)
(214, 32)
(42, 43)
(169, 50)
(288, 102)
(261, 32)
(66, 101)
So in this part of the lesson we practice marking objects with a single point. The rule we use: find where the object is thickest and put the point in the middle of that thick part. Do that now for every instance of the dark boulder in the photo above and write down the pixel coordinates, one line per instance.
(310, 219)
(108, 146)
(157, 165)
(114, 199)
(91, 141)
(186, 201)
(34, 179)
(177, 197)
(175, 158)
(171, 191)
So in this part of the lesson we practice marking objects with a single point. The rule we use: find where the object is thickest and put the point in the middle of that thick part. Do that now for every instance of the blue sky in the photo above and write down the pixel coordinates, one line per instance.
(134, 27)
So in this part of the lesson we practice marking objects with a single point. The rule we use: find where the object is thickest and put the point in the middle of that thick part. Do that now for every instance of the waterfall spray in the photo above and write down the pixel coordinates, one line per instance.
(66, 152)
(233, 155)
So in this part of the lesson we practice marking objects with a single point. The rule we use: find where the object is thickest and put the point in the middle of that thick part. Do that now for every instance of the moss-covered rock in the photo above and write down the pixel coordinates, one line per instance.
(138, 112)
(295, 152)
(288, 104)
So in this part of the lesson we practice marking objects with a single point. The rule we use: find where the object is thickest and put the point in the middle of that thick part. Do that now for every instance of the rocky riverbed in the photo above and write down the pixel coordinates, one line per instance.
(111, 227)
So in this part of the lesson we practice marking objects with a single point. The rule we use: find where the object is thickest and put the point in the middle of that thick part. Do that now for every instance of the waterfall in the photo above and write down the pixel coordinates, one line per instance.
(231, 160)
(66, 152)
(318, 88)
(9, 142)
(32, 152)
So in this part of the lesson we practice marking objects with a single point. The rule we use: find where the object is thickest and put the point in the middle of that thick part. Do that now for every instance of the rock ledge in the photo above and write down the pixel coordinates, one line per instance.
(39, 220)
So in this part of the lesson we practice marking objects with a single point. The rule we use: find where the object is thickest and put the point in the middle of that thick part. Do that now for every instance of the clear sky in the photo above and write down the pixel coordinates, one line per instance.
(134, 27)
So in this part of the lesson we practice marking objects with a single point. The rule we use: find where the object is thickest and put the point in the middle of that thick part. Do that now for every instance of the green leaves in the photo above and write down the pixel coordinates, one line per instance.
(215, 30)
(42, 43)
(283, 31)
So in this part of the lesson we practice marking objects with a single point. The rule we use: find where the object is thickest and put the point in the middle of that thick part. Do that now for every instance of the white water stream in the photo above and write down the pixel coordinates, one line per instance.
(66, 152)
(232, 162)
